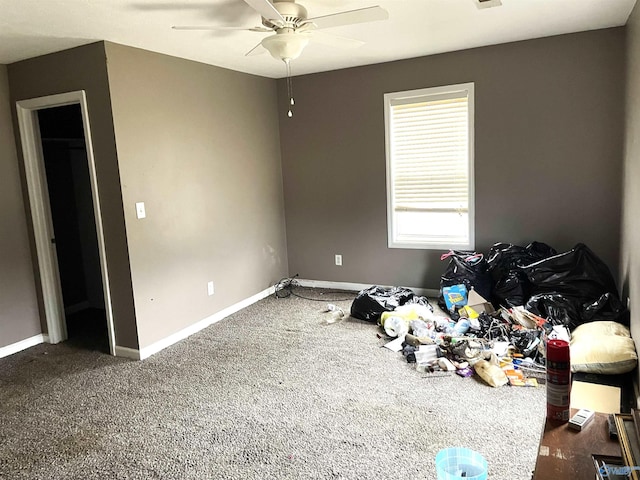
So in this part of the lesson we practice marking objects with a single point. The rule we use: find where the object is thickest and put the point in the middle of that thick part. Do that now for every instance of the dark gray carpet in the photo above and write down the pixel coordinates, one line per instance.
(271, 392)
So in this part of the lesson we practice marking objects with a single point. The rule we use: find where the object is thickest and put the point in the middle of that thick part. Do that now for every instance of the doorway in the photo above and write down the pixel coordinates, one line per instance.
(63, 196)
(76, 242)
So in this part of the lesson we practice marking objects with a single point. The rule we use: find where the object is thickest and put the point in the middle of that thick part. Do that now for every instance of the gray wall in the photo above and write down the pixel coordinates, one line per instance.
(19, 318)
(630, 257)
(548, 155)
(84, 68)
(200, 146)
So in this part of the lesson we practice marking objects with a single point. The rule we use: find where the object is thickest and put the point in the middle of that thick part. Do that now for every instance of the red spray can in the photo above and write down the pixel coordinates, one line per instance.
(558, 380)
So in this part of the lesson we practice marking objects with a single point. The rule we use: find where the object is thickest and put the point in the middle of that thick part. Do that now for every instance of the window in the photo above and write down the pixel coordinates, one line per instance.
(429, 137)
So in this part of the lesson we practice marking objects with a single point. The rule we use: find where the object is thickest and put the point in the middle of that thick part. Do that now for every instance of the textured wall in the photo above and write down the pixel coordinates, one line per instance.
(19, 318)
(630, 258)
(200, 146)
(548, 155)
(84, 68)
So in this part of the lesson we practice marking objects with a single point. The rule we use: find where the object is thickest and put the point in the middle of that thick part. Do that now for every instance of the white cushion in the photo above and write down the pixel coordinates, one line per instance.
(591, 329)
(602, 347)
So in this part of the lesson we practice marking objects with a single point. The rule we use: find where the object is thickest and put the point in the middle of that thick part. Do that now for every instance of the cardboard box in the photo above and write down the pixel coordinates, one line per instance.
(592, 396)
(479, 303)
(455, 296)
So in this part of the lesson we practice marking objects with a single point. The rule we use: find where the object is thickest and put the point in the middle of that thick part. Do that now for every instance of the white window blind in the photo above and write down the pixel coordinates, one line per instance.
(429, 167)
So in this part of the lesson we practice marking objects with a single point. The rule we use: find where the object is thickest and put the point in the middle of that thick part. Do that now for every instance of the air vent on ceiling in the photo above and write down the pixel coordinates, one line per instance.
(488, 3)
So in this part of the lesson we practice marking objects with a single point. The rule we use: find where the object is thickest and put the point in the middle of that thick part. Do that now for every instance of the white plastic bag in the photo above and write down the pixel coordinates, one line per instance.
(492, 374)
(396, 327)
(420, 328)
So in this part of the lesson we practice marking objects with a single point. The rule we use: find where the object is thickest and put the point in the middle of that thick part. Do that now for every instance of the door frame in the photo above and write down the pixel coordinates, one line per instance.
(27, 111)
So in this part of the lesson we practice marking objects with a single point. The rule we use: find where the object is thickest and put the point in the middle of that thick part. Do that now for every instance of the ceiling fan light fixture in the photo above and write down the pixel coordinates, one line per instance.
(285, 46)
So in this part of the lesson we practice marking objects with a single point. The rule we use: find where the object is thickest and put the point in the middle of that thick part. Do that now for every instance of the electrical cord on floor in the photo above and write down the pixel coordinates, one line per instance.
(284, 288)
(325, 299)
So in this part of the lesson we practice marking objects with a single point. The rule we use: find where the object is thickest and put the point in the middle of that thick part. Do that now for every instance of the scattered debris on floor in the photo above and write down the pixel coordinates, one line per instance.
(498, 314)
(337, 313)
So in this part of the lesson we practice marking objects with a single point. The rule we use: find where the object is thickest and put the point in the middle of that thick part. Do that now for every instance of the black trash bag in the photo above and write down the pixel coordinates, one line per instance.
(556, 308)
(372, 302)
(606, 308)
(578, 273)
(468, 269)
(511, 285)
(511, 290)
(540, 250)
(506, 257)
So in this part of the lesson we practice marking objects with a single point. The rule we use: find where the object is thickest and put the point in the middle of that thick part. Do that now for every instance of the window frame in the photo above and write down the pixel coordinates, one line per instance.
(420, 95)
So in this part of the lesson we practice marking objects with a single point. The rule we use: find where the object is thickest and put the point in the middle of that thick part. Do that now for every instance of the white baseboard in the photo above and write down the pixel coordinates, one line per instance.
(22, 345)
(149, 350)
(156, 347)
(356, 287)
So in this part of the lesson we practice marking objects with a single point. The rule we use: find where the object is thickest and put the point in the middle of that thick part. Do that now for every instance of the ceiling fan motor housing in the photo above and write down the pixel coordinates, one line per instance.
(293, 13)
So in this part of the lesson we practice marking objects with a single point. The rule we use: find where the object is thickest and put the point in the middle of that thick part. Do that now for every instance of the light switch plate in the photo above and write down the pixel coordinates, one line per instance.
(140, 213)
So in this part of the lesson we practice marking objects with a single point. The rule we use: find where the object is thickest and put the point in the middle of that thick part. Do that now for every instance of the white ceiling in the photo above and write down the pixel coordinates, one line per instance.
(29, 28)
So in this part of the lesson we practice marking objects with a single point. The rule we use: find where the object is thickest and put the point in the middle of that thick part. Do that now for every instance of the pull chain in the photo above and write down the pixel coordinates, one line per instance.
(289, 88)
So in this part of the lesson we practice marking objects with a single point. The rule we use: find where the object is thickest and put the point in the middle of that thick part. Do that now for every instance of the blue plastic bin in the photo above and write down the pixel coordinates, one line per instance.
(460, 464)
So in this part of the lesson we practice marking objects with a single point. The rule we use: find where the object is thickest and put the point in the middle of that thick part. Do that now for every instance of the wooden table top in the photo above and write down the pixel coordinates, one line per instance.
(566, 453)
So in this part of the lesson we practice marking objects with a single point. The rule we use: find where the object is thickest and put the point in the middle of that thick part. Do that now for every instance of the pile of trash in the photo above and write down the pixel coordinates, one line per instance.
(536, 295)
(501, 346)
(567, 288)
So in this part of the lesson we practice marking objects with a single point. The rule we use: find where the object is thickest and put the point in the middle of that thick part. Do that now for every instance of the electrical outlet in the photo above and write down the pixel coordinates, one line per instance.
(210, 289)
(339, 260)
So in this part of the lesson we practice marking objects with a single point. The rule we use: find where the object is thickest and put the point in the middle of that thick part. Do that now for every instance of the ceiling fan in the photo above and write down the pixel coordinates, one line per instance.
(292, 28)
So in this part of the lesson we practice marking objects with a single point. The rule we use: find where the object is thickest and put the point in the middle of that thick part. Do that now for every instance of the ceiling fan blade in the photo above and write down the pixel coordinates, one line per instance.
(213, 28)
(362, 15)
(266, 9)
(336, 41)
(257, 50)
